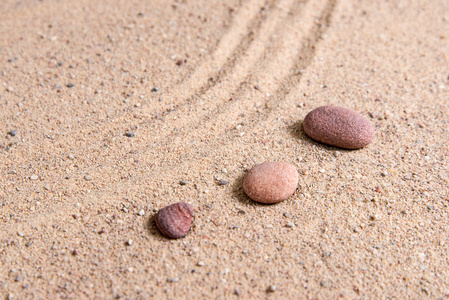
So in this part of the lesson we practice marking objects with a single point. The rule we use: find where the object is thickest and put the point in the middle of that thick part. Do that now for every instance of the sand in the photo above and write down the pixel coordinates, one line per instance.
(234, 81)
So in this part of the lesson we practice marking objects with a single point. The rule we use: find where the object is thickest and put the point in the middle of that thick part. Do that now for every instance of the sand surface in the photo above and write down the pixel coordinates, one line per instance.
(234, 80)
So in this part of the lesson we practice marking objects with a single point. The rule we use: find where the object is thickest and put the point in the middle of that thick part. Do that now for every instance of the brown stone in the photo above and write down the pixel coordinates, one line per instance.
(339, 127)
(174, 221)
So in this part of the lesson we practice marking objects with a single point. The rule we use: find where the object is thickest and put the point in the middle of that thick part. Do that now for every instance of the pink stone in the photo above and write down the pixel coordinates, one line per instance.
(271, 182)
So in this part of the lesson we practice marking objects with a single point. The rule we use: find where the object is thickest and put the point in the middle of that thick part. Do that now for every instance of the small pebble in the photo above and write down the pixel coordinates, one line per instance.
(324, 283)
(130, 134)
(339, 127)
(222, 182)
(129, 242)
(155, 89)
(271, 289)
(174, 221)
(12, 132)
(183, 182)
(87, 177)
(70, 85)
(287, 215)
(200, 264)
(71, 157)
(271, 182)
(34, 177)
(290, 225)
(141, 212)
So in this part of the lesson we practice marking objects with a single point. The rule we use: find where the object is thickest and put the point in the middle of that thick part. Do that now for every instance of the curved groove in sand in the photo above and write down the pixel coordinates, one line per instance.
(237, 36)
(290, 50)
(234, 74)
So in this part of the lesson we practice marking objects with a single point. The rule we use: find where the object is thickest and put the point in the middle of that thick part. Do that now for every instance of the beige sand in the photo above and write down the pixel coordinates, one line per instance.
(235, 79)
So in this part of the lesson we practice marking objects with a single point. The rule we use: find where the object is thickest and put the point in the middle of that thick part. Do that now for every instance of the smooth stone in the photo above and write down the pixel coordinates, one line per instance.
(271, 182)
(174, 221)
(338, 126)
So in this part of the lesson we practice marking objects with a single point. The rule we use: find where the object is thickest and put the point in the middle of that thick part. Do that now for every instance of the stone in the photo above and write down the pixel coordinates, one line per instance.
(271, 182)
(174, 221)
(338, 126)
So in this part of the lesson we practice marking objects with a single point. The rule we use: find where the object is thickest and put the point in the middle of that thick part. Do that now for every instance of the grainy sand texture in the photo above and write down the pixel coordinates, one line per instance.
(112, 110)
